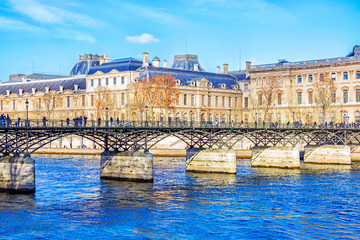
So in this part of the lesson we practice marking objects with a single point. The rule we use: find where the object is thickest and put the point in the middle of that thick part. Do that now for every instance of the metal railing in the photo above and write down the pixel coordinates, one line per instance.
(38, 123)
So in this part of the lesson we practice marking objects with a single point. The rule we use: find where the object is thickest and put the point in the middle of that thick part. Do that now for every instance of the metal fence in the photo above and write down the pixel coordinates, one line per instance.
(32, 123)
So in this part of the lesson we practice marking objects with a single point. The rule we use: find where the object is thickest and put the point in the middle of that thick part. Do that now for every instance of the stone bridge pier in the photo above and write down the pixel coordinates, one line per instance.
(211, 160)
(17, 174)
(127, 166)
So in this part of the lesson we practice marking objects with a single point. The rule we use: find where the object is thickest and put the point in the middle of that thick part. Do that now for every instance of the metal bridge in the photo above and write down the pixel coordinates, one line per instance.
(26, 138)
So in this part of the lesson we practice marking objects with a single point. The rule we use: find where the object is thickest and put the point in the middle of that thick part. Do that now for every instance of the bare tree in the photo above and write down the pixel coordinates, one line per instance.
(266, 93)
(324, 97)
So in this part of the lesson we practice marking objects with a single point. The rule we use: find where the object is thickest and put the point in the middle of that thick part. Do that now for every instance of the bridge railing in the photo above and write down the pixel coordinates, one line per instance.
(34, 123)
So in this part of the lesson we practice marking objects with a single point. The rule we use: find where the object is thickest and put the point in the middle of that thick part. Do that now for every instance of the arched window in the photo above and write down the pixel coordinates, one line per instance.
(357, 117)
(310, 78)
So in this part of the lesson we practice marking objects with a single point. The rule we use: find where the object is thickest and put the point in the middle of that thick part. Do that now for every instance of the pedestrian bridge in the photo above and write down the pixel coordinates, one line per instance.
(126, 145)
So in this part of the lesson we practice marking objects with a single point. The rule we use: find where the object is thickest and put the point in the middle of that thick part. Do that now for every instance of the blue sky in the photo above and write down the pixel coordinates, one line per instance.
(49, 35)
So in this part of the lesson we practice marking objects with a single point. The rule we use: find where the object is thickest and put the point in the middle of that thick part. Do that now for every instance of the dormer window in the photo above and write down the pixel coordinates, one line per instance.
(223, 86)
(178, 82)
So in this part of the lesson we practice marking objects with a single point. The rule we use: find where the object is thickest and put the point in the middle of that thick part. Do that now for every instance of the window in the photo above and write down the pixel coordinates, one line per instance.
(209, 100)
(357, 117)
(14, 104)
(358, 75)
(346, 76)
(310, 95)
(333, 97)
(99, 82)
(310, 78)
(246, 86)
(114, 80)
(83, 100)
(107, 81)
(279, 99)
(192, 100)
(122, 98)
(122, 80)
(230, 103)
(322, 77)
(39, 102)
(346, 96)
(333, 76)
(217, 101)
(202, 100)
(92, 100)
(2, 105)
(92, 82)
(357, 95)
(185, 99)
(299, 79)
(68, 101)
(246, 102)
(299, 97)
(223, 101)
(54, 102)
(236, 102)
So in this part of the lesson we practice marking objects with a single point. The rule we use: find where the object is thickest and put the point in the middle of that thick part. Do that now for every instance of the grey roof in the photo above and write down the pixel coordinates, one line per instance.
(186, 77)
(67, 83)
(121, 65)
(186, 62)
(83, 67)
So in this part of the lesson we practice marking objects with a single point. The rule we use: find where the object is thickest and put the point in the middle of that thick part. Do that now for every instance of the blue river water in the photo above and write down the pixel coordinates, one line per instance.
(71, 202)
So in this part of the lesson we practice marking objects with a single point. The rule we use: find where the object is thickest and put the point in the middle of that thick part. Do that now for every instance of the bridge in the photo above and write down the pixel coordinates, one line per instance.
(126, 145)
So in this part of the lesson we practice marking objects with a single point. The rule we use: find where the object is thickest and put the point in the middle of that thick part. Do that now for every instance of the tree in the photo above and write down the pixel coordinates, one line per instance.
(50, 103)
(324, 97)
(102, 101)
(267, 95)
(155, 92)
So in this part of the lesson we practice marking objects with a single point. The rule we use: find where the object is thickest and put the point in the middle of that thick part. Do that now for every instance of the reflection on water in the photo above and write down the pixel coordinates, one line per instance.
(316, 201)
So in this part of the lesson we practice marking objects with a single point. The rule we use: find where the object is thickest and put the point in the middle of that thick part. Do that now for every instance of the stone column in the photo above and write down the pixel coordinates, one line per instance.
(17, 174)
(279, 157)
(212, 161)
(327, 154)
(127, 166)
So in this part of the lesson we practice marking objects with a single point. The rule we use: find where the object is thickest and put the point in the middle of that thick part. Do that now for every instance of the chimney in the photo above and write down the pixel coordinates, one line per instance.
(21, 91)
(226, 68)
(47, 89)
(165, 64)
(145, 59)
(156, 62)
(7, 92)
(33, 91)
(76, 87)
(196, 67)
(61, 88)
(217, 69)
(248, 66)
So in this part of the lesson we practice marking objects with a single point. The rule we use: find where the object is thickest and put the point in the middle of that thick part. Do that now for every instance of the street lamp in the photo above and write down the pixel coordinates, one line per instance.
(27, 113)
(230, 117)
(191, 124)
(308, 120)
(146, 121)
(256, 119)
(107, 114)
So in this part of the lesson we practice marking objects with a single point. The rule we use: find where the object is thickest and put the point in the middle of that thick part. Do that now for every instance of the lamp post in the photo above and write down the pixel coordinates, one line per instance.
(191, 124)
(146, 121)
(230, 117)
(27, 126)
(256, 119)
(107, 114)
(308, 120)
(293, 119)
(27, 113)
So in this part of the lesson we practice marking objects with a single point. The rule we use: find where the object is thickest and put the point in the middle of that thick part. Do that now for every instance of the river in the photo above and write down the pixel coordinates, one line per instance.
(71, 202)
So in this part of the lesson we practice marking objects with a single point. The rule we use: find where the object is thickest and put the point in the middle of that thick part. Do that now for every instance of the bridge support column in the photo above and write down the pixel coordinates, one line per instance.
(17, 174)
(327, 154)
(127, 166)
(211, 160)
(279, 157)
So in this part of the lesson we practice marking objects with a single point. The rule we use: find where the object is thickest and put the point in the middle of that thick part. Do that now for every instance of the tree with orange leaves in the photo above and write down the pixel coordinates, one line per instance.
(155, 92)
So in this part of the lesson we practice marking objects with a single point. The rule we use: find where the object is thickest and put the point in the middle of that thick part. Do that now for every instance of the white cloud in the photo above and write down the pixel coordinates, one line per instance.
(46, 13)
(75, 35)
(11, 24)
(143, 39)
(35, 10)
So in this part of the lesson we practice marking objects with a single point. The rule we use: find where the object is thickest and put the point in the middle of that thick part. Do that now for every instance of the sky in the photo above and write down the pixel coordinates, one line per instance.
(47, 36)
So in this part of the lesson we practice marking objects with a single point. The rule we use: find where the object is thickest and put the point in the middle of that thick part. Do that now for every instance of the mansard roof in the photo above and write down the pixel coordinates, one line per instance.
(54, 84)
(186, 62)
(121, 65)
(186, 76)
